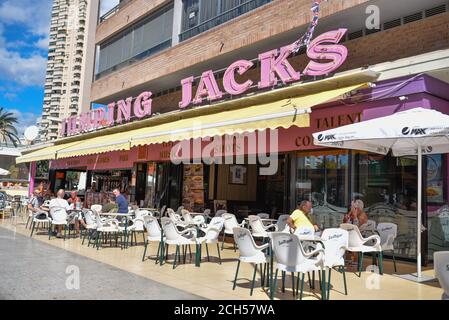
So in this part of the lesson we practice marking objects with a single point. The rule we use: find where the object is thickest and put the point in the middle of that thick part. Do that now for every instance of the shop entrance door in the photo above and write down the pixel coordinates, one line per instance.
(272, 190)
(168, 185)
(141, 177)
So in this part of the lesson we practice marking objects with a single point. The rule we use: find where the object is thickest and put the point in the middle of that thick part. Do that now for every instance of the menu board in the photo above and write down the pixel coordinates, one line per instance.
(193, 187)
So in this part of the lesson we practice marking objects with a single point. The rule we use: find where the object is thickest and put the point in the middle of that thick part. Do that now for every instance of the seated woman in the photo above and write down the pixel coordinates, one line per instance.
(354, 213)
(358, 217)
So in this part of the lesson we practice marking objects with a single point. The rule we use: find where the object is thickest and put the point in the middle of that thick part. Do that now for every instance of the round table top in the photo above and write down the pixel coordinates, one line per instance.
(116, 214)
(265, 220)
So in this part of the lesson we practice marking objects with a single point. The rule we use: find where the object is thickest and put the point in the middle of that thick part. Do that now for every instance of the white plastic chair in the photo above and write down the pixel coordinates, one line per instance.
(370, 225)
(220, 213)
(40, 219)
(211, 233)
(106, 228)
(55, 221)
(282, 225)
(131, 229)
(230, 222)
(199, 220)
(96, 208)
(176, 218)
(91, 225)
(173, 236)
(290, 256)
(441, 266)
(388, 233)
(258, 229)
(263, 215)
(335, 242)
(140, 213)
(357, 243)
(154, 234)
(188, 220)
(249, 253)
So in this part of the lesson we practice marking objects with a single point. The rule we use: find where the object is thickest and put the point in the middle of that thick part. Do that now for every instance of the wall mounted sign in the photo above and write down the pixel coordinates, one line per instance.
(324, 52)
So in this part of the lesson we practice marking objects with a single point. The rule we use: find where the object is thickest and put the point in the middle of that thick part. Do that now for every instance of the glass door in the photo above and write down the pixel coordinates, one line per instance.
(323, 178)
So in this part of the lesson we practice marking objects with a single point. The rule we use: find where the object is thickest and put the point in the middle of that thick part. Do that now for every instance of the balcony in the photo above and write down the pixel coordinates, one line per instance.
(164, 45)
(113, 11)
(222, 18)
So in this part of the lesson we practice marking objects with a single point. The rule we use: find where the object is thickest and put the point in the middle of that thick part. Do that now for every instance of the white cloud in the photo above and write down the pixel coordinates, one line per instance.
(106, 5)
(15, 67)
(24, 71)
(34, 15)
(42, 43)
(26, 119)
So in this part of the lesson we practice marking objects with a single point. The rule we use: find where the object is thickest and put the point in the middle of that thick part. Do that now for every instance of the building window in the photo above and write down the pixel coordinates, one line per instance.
(387, 186)
(141, 40)
(202, 15)
(323, 178)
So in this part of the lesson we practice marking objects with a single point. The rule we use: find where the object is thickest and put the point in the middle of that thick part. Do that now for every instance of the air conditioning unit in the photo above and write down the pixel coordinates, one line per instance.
(193, 16)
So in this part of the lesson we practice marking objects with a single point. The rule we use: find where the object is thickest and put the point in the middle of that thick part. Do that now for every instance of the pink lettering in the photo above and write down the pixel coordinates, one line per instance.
(124, 110)
(111, 111)
(143, 100)
(186, 92)
(230, 85)
(272, 68)
(320, 51)
(84, 121)
(207, 88)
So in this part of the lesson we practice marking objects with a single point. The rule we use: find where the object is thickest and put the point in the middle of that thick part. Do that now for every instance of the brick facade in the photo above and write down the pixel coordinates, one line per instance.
(427, 35)
(260, 24)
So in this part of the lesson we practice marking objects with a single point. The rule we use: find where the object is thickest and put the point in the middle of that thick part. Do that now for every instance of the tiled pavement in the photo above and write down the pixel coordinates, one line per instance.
(31, 269)
(211, 280)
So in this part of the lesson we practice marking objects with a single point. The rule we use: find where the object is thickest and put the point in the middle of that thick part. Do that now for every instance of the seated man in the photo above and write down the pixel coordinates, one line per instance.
(300, 217)
(33, 203)
(121, 201)
(58, 210)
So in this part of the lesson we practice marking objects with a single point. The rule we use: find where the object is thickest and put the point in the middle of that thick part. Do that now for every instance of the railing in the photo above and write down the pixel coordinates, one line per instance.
(159, 47)
(222, 18)
(113, 11)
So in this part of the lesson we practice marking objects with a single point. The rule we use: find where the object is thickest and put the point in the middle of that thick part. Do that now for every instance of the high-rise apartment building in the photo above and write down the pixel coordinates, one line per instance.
(70, 58)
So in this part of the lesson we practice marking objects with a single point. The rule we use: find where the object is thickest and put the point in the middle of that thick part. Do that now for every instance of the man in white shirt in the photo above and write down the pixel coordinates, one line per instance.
(58, 210)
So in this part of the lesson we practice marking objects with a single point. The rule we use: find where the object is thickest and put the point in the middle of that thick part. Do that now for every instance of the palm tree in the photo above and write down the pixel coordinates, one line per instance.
(8, 130)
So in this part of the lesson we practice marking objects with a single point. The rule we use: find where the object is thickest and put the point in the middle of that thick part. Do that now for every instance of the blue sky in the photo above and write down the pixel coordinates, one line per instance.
(24, 29)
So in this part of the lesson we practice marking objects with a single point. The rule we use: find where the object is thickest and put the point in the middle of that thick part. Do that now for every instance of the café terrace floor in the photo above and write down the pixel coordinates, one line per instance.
(214, 281)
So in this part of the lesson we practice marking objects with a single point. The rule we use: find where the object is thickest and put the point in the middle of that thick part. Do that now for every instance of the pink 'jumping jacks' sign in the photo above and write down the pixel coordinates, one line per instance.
(325, 53)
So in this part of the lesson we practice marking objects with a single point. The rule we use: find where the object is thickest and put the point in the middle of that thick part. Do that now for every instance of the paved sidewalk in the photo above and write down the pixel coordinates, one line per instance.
(30, 269)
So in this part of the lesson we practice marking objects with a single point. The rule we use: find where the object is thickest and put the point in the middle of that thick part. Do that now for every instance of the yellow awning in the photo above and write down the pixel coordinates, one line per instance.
(112, 142)
(46, 153)
(283, 113)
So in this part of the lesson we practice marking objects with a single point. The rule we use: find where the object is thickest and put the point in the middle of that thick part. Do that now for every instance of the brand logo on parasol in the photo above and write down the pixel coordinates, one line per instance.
(328, 137)
(414, 132)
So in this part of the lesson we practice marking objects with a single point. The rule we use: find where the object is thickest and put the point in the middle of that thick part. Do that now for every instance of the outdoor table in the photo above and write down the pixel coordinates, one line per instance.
(198, 214)
(264, 221)
(124, 215)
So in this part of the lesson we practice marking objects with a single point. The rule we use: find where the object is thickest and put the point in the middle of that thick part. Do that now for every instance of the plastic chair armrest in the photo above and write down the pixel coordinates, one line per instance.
(187, 231)
(373, 237)
(264, 246)
(314, 252)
